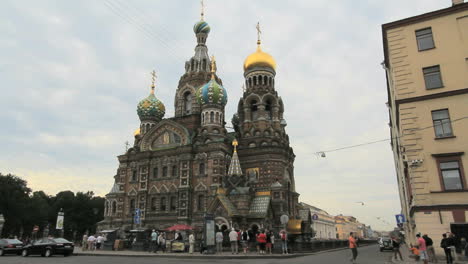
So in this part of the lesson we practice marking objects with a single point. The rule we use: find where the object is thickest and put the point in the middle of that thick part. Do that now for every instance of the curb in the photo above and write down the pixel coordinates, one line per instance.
(198, 256)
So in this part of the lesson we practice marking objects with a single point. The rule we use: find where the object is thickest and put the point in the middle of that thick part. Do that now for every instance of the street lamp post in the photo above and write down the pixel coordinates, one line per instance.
(2, 221)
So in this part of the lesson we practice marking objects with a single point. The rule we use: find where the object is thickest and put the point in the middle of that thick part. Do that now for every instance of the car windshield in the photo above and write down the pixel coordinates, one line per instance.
(61, 240)
(13, 241)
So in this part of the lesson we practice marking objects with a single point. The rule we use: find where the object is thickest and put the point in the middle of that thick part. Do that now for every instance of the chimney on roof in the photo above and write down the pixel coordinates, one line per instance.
(456, 2)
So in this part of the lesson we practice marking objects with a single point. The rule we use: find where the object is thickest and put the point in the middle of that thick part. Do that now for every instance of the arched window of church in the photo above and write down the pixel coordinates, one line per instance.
(153, 203)
(211, 117)
(155, 173)
(192, 64)
(254, 109)
(255, 80)
(204, 64)
(265, 80)
(250, 82)
(221, 118)
(174, 171)
(188, 103)
(203, 118)
(173, 203)
(269, 81)
(201, 202)
(114, 207)
(134, 175)
(132, 205)
(268, 109)
(162, 206)
(164, 171)
(217, 118)
(201, 169)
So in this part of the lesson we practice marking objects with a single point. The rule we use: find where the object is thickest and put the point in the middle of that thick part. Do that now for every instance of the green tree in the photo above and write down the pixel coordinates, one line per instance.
(14, 195)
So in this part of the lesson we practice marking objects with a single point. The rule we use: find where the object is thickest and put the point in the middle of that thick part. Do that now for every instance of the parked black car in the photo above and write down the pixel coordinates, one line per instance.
(47, 247)
(10, 246)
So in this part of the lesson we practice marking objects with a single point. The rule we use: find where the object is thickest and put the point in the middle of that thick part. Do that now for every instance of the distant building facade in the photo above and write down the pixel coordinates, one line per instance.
(426, 62)
(347, 224)
(183, 167)
(324, 224)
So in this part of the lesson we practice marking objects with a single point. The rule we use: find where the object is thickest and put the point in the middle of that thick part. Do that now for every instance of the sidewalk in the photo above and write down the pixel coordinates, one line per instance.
(195, 255)
(405, 252)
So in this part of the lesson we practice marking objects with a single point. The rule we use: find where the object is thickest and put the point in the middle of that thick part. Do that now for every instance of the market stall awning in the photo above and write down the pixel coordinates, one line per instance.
(294, 226)
(179, 228)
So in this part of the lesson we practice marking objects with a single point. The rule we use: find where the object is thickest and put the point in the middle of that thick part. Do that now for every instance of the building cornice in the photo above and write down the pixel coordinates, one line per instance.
(445, 207)
(431, 96)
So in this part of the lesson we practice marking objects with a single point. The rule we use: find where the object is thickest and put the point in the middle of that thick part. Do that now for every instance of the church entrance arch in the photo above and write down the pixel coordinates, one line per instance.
(222, 224)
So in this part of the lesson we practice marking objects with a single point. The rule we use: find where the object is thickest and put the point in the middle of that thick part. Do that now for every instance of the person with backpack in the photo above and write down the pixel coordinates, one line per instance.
(430, 248)
(396, 248)
(284, 241)
(244, 238)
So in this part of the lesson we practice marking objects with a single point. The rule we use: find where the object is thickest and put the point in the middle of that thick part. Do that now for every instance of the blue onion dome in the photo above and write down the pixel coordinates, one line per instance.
(151, 108)
(201, 27)
(212, 93)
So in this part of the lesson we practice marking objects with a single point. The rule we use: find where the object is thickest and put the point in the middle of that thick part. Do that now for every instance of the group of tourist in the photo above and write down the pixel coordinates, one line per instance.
(424, 248)
(263, 242)
(93, 242)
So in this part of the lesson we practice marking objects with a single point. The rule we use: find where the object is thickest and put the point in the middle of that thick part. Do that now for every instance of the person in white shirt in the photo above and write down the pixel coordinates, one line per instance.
(91, 241)
(233, 238)
(219, 242)
(99, 241)
(191, 239)
(162, 241)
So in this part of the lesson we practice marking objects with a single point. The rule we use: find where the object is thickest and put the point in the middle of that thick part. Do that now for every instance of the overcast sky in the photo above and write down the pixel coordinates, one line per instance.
(72, 73)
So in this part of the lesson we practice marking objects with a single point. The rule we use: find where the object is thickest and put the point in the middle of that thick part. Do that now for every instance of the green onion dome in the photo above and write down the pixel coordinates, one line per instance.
(151, 108)
(201, 27)
(212, 93)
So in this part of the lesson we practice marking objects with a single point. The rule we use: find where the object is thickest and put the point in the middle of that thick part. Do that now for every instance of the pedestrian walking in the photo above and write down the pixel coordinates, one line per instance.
(453, 246)
(99, 241)
(153, 241)
(261, 240)
(219, 242)
(244, 240)
(272, 241)
(162, 242)
(445, 245)
(284, 241)
(422, 249)
(84, 242)
(396, 248)
(353, 247)
(430, 249)
(233, 238)
(91, 241)
(191, 239)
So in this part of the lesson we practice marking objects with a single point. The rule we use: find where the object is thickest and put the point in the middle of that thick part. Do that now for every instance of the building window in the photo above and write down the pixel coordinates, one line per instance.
(155, 173)
(425, 39)
(432, 77)
(163, 204)
(164, 173)
(451, 173)
(173, 203)
(188, 103)
(201, 202)
(442, 124)
(153, 203)
(201, 169)
(174, 171)
(114, 207)
(134, 175)
(132, 205)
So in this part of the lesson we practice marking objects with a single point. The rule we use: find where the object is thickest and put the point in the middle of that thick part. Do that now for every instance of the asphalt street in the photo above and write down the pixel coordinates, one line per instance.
(367, 255)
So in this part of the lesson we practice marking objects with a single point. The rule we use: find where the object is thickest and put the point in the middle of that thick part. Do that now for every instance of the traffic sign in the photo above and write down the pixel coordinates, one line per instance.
(315, 217)
(400, 218)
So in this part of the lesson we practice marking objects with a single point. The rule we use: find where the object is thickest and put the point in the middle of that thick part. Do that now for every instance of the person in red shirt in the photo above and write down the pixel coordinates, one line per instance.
(353, 247)
(261, 239)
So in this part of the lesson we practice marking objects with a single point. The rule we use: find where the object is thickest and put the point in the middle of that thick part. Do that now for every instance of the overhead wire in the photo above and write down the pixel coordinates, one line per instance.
(386, 139)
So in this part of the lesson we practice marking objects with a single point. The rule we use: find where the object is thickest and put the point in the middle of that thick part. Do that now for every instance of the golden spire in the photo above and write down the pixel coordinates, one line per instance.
(202, 10)
(258, 33)
(235, 143)
(213, 67)
(153, 80)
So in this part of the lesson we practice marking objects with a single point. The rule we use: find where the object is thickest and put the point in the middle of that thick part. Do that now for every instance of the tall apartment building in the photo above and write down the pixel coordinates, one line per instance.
(426, 62)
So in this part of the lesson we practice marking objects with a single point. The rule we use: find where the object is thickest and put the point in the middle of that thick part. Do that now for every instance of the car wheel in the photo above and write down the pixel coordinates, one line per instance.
(2, 252)
(48, 253)
(24, 253)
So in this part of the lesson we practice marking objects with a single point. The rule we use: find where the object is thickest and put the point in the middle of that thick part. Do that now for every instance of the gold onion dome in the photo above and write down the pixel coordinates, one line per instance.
(259, 59)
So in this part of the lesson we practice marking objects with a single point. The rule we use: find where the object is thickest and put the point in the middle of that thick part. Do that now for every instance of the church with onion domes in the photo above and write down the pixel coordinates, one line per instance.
(183, 167)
